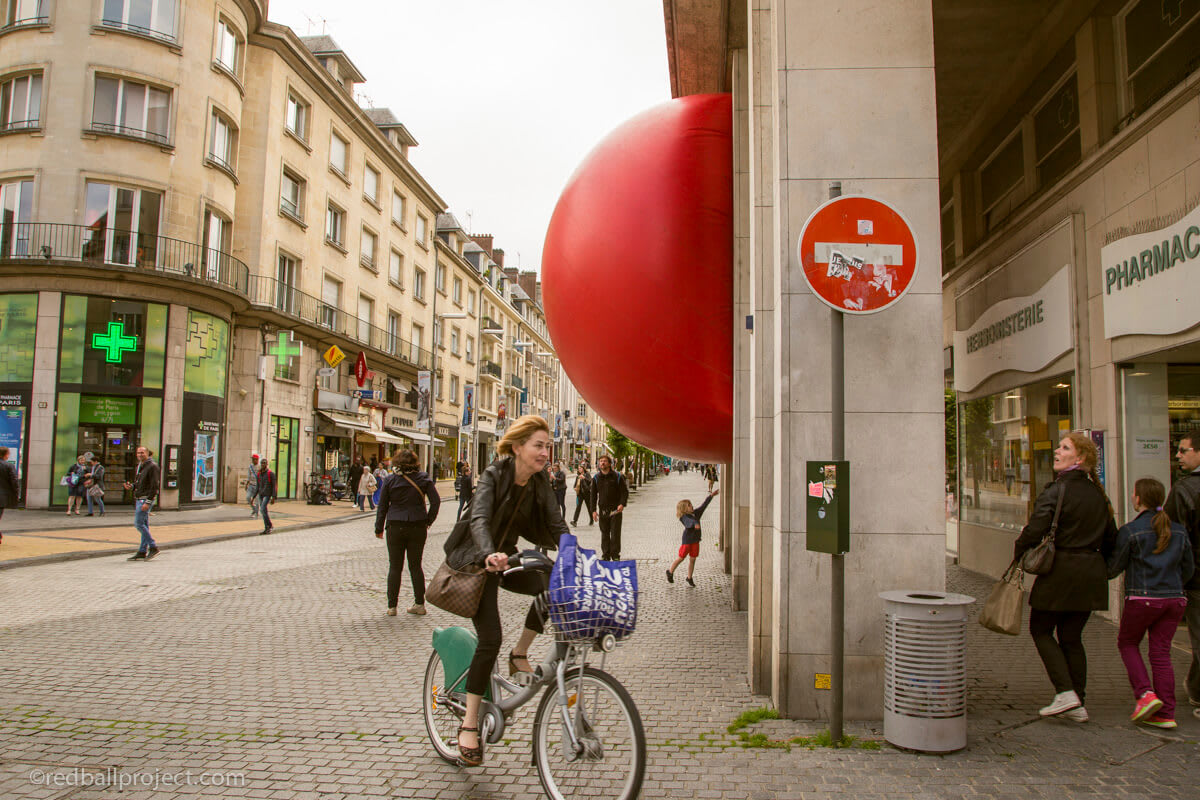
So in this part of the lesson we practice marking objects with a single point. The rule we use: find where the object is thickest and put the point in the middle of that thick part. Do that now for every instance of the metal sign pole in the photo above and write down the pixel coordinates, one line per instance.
(837, 601)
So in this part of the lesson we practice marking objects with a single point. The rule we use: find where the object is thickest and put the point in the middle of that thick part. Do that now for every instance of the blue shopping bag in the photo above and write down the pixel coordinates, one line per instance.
(589, 597)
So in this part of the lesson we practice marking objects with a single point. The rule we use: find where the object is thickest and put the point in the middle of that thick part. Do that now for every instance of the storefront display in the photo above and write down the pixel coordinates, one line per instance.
(206, 353)
(283, 447)
(18, 332)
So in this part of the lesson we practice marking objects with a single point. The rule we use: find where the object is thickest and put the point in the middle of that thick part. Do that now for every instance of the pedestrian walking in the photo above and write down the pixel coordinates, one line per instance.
(1063, 599)
(710, 475)
(690, 548)
(145, 491)
(383, 471)
(408, 505)
(267, 490)
(583, 495)
(1156, 557)
(75, 487)
(94, 486)
(464, 485)
(559, 482)
(252, 485)
(367, 484)
(610, 493)
(10, 492)
(1183, 506)
(354, 477)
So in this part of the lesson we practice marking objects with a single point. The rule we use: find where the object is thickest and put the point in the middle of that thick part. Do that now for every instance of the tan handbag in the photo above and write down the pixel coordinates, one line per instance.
(1002, 610)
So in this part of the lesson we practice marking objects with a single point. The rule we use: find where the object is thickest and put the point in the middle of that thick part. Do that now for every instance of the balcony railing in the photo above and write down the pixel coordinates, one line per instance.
(490, 369)
(140, 30)
(488, 323)
(113, 247)
(516, 382)
(271, 293)
(133, 133)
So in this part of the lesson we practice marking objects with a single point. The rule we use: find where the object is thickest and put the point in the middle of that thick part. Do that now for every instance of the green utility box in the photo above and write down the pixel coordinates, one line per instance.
(828, 508)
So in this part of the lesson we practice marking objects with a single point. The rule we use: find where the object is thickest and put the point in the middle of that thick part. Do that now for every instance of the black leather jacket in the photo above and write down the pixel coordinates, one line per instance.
(491, 506)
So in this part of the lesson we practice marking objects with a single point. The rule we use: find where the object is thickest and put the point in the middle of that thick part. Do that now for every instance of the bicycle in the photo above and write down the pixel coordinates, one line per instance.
(587, 732)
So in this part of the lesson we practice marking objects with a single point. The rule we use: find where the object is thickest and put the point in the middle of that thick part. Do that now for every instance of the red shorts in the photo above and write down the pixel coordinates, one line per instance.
(692, 550)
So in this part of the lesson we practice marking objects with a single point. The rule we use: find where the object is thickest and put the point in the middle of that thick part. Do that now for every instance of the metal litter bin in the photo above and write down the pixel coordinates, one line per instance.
(925, 670)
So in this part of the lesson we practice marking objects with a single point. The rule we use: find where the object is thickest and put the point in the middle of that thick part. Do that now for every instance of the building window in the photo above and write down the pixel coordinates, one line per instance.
(16, 205)
(371, 185)
(396, 269)
(1161, 42)
(366, 315)
(1056, 133)
(470, 350)
(454, 389)
(285, 283)
(296, 119)
(24, 12)
(338, 153)
(948, 237)
(454, 337)
(366, 252)
(229, 48)
(154, 18)
(218, 232)
(291, 195)
(418, 336)
(471, 300)
(122, 224)
(331, 301)
(456, 293)
(223, 142)
(422, 230)
(21, 102)
(398, 208)
(1002, 180)
(439, 278)
(393, 332)
(419, 284)
(335, 226)
(131, 109)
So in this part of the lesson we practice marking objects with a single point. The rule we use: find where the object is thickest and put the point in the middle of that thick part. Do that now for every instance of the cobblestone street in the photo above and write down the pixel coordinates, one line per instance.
(271, 657)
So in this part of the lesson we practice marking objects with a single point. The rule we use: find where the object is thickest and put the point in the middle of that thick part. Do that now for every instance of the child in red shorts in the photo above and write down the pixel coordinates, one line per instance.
(690, 518)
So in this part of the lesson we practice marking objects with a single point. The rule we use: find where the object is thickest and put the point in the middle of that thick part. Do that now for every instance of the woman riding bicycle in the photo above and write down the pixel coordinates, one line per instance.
(513, 498)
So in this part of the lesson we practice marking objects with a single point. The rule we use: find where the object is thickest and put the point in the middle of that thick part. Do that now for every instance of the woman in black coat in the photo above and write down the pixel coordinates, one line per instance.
(408, 505)
(1063, 599)
(514, 498)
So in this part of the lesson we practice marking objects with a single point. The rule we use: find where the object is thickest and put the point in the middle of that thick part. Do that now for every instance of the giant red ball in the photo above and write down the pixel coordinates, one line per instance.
(637, 278)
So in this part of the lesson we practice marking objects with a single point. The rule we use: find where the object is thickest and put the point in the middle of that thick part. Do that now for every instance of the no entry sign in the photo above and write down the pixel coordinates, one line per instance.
(859, 255)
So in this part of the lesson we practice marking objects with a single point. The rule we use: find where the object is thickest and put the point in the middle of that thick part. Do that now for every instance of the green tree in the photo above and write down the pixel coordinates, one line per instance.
(951, 441)
(976, 441)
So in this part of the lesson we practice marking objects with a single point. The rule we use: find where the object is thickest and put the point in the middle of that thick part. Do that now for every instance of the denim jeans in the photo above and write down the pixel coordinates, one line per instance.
(263, 502)
(1160, 617)
(97, 500)
(141, 521)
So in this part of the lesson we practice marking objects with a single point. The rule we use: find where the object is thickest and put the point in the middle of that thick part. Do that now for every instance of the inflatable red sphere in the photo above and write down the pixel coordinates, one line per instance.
(637, 278)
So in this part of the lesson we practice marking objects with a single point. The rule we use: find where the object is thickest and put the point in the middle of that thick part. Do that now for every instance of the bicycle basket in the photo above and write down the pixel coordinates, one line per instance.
(590, 598)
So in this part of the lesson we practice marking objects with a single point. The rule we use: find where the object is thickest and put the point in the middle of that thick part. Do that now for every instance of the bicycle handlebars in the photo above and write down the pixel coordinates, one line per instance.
(532, 560)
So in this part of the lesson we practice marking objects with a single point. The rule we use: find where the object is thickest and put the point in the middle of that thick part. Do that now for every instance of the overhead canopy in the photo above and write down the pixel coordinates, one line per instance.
(350, 422)
(380, 436)
(419, 437)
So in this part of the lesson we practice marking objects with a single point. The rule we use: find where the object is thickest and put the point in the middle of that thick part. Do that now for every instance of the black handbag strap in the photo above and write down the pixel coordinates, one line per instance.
(513, 516)
(1057, 511)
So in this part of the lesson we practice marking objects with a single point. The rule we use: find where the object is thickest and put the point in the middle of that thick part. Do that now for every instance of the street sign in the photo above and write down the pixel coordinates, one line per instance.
(858, 254)
(360, 368)
(333, 356)
(326, 372)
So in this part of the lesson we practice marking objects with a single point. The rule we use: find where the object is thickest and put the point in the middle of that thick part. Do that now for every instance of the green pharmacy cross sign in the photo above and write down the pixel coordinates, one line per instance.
(284, 348)
(114, 343)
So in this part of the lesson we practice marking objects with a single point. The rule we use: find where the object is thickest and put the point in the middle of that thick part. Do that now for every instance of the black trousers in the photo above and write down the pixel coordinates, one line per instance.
(405, 539)
(1064, 657)
(610, 535)
(561, 496)
(487, 622)
(580, 499)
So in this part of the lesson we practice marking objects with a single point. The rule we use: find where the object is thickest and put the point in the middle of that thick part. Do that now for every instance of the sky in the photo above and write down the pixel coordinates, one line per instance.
(505, 97)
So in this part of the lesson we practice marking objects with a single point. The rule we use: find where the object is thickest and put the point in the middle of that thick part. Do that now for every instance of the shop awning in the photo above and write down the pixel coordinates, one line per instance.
(348, 421)
(380, 436)
(418, 437)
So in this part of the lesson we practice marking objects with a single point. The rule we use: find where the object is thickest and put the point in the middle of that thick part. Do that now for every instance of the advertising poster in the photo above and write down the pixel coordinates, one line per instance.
(423, 393)
(468, 417)
(558, 428)
(12, 426)
(204, 476)
(501, 417)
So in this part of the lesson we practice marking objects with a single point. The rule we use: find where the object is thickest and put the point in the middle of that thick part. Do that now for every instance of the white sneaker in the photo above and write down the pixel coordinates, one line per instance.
(418, 609)
(1063, 701)
(1076, 714)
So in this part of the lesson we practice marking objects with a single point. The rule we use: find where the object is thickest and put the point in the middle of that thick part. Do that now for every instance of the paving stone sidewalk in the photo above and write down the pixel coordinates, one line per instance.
(269, 660)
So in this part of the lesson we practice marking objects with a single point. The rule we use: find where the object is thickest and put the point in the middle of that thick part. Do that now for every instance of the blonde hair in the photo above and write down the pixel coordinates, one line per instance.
(683, 507)
(520, 431)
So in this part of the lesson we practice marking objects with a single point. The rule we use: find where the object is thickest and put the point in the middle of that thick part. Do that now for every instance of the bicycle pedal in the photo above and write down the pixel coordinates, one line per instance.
(523, 679)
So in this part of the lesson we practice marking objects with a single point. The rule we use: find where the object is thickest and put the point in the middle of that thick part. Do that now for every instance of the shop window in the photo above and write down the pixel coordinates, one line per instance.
(25, 12)
(122, 225)
(129, 108)
(296, 116)
(154, 18)
(222, 142)
(21, 102)
(16, 208)
(1162, 47)
(1006, 445)
(206, 353)
(18, 314)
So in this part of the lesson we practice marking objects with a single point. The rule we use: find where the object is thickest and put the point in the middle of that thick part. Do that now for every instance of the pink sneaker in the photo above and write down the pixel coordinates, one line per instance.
(1159, 721)
(1146, 705)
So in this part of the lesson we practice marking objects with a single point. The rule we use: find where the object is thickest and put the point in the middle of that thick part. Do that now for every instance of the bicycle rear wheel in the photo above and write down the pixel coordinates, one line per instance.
(606, 721)
(441, 718)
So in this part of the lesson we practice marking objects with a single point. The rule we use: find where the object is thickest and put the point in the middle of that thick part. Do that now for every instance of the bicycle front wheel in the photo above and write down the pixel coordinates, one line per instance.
(441, 718)
(610, 759)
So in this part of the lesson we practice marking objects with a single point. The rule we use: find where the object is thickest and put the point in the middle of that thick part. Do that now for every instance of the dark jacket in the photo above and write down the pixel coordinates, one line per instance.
(145, 480)
(691, 522)
(1183, 506)
(400, 502)
(267, 487)
(9, 492)
(354, 476)
(560, 480)
(1150, 574)
(583, 486)
(491, 507)
(1086, 537)
(464, 484)
(97, 475)
(609, 491)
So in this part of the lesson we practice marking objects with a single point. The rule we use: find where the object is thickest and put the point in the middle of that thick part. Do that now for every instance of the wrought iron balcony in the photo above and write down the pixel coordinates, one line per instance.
(490, 369)
(516, 382)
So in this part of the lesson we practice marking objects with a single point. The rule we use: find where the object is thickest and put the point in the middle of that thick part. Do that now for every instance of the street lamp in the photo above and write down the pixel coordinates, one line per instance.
(433, 385)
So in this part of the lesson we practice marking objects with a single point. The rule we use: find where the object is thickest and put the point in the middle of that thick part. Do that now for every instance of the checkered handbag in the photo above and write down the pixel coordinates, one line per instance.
(457, 591)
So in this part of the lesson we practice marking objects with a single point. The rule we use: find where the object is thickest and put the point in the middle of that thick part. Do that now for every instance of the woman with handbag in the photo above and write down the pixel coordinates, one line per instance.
(402, 506)
(1071, 532)
(95, 486)
(514, 497)
(76, 489)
